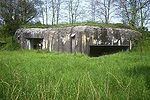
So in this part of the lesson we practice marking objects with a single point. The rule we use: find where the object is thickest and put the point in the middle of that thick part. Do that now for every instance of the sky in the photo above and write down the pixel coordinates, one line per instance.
(83, 5)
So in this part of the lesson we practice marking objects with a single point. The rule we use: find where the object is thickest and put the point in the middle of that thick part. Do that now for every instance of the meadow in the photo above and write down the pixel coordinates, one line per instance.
(41, 75)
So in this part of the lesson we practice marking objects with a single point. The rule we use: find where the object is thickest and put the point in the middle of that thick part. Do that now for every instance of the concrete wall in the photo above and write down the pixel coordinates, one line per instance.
(76, 38)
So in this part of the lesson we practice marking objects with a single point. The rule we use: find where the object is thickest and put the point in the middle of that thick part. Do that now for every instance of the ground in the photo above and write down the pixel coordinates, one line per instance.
(41, 75)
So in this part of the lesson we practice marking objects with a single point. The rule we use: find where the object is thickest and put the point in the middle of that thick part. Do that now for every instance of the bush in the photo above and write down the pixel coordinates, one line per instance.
(143, 43)
(10, 45)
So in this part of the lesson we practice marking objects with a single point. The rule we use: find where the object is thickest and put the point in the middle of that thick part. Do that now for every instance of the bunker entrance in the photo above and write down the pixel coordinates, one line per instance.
(35, 43)
(96, 51)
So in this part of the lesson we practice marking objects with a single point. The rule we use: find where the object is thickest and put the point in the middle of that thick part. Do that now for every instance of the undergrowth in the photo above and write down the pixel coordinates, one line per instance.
(10, 44)
(42, 75)
(118, 25)
(36, 75)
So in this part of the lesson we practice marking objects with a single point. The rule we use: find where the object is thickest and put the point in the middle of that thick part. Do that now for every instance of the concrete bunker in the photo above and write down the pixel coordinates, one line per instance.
(91, 40)
(97, 50)
(35, 43)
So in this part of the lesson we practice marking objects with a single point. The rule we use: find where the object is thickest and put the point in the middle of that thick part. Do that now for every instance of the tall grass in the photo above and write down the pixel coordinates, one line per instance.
(39, 75)
(117, 25)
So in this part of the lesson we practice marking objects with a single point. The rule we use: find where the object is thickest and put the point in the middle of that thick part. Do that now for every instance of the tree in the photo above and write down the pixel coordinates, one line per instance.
(105, 9)
(93, 9)
(73, 7)
(53, 11)
(52, 7)
(39, 5)
(133, 11)
(15, 13)
(46, 11)
(58, 5)
(143, 13)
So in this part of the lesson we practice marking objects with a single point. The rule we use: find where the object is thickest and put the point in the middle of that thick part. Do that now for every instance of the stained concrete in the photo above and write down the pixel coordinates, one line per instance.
(75, 39)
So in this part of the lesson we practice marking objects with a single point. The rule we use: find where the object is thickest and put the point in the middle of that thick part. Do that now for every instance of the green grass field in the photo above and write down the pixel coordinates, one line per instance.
(39, 75)
(42, 75)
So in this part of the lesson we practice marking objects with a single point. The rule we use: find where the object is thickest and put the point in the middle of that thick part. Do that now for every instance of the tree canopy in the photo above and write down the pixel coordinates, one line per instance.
(14, 13)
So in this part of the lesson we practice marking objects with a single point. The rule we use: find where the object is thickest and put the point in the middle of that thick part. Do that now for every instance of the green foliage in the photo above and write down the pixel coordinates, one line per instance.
(10, 28)
(143, 43)
(118, 25)
(16, 13)
(37, 74)
(10, 45)
(2, 34)
(40, 75)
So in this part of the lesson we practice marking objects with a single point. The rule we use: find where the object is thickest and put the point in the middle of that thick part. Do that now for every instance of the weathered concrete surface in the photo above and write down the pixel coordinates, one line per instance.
(75, 38)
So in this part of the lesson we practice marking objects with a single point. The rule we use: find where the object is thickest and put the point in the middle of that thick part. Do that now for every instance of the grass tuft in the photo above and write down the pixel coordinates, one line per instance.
(42, 75)
(117, 25)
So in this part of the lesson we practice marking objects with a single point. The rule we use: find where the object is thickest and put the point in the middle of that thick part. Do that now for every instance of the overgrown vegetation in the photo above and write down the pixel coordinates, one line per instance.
(37, 75)
(9, 41)
(8, 38)
(40, 75)
(13, 14)
(38, 25)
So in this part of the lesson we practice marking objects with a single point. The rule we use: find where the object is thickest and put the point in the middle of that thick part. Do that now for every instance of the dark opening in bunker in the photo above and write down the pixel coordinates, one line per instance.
(36, 43)
(96, 50)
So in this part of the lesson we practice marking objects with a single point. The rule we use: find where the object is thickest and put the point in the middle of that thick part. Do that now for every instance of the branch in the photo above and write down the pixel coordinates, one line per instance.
(144, 4)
